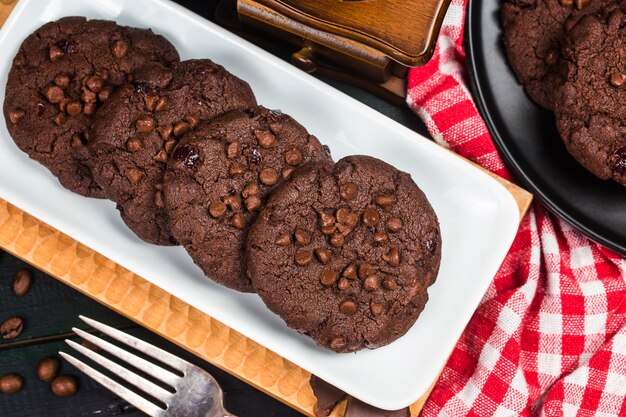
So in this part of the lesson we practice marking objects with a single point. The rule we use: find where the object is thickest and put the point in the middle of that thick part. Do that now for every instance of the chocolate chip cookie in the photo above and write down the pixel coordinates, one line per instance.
(533, 32)
(591, 109)
(219, 177)
(134, 132)
(345, 253)
(60, 76)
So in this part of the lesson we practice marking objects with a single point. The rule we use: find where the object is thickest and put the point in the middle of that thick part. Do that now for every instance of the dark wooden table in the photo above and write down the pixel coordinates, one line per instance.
(51, 309)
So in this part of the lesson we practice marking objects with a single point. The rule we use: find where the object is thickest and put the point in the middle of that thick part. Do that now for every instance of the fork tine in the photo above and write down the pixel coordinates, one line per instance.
(148, 349)
(117, 389)
(143, 384)
(151, 369)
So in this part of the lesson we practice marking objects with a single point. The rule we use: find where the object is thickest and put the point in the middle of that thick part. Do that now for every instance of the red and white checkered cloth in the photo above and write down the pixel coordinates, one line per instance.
(549, 338)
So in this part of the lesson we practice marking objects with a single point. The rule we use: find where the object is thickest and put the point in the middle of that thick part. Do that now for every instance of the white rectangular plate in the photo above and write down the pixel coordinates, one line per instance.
(478, 216)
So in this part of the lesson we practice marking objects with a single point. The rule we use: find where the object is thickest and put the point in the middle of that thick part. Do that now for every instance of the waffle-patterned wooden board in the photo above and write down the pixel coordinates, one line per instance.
(132, 296)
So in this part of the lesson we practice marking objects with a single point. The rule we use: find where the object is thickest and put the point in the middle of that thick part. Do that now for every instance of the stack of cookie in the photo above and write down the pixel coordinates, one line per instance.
(571, 59)
(343, 252)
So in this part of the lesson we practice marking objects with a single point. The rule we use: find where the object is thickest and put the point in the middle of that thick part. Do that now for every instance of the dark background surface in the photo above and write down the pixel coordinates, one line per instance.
(51, 309)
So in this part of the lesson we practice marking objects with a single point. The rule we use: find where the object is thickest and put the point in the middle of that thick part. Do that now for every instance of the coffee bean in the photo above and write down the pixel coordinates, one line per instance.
(390, 283)
(393, 257)
(181, 128)
(328, 277)
(22, 280)
(385, 200)
(337, 342)
(250, 189)
(48, 368)
(268, 176)
(265, 138)
(347, 307)
(337, 240)
(217, 209)
(348, 191)
(394, 224)
(303, 257)
(365, 270)
(323, 255)
(54, 94)
(144, 123)
(283, 240)
(187, 156)
(73, 108)
(371, 217)
(15, 116)
(64, 386)
(235, 169)
(343, 284)
(11, 328)
(371, 283)
(302, 237)
(119, 49)
(376, 308)
(293, 157)
(134, 144)
(11, 383)
(238, 221)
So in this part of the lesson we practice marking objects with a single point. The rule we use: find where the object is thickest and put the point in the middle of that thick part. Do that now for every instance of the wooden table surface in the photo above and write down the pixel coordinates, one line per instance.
(51, 309)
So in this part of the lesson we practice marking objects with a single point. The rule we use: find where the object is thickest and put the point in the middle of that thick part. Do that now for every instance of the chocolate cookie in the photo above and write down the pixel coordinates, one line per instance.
(134, 132)
(345, 253)
(533, 32)
(220, 175)
(60, 76)
(591, 109)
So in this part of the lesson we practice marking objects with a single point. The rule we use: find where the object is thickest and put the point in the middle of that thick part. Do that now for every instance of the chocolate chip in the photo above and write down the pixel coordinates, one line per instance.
(158, 199)
(169, 145)
(192, 120)
(286, 172)
(87, 95)
(323, 255)
(133, 175)
(337, 342)
(329, 230)
(250, 189)
(347, 307)
(238, 221)
(328, 277)
(48, 368)
(385, 200)
(268, 176)
(371, 283)
(59, 119)
(62, 80)
(303, 257)
(89, 108)
(54, 94)
(283, 240)
(580, 3)
(365, 270)
(349, 272)
(233, 202)
(326, 220)
(235, 169)
(343, 284)
(618, 160)
(380, 237)
(347, 217)
(344, 229)
(217, 209)
(348, 191)
(64, 386)
(161, 156)
(265, 138)
(15, 116)
(617, 79)
(144, 123)
(394, 224)
(73, 108)
(150, 102)
(376, 308)
(337, 240)
(302, 237)
(232, 150)
(119, 49)
(293, 157)
(187, 156)
(94, 83)
(76, 141)
(11, 383)
(254, 156)
(161, 104)
(393, 257)
(253, 203)
(389, 283)
(22, 281)
(102, 73)
(181, 128)
(371, 217)
(567, 3)
(55, 53)
(11, 328)
(165, 131)
(104, 94)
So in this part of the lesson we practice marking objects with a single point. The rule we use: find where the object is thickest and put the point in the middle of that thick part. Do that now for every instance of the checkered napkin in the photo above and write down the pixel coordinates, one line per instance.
(549, 337)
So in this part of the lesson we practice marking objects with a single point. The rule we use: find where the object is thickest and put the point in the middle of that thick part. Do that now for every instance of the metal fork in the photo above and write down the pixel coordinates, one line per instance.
(195, 393)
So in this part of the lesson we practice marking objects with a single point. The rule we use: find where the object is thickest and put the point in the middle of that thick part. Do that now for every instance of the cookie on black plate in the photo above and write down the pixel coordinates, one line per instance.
(134, 132)
(60, 76)
(219, 177)
(345, 253)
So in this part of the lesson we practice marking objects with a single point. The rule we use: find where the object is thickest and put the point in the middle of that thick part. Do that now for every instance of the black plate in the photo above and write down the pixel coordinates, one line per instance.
(527, 138)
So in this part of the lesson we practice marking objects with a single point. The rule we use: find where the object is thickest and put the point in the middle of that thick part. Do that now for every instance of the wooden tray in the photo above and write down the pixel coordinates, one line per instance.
(132, 296)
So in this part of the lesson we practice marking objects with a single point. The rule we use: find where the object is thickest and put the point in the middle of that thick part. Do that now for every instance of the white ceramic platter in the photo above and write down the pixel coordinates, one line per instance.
(478, 216)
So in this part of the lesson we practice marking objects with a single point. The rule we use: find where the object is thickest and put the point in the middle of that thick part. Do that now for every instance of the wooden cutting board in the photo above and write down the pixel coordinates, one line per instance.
(132, 296)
